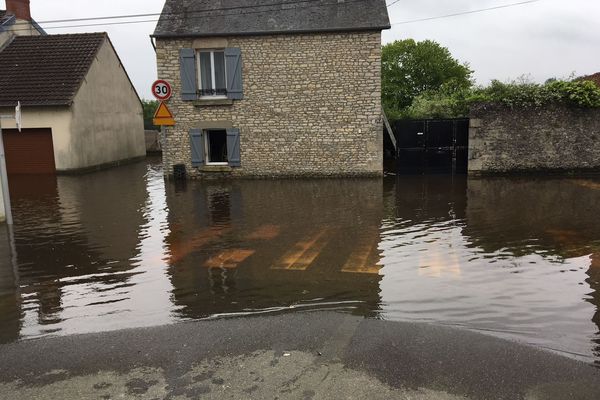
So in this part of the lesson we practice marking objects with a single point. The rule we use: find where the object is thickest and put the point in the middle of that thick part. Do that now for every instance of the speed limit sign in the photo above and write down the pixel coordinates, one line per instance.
(161, 89)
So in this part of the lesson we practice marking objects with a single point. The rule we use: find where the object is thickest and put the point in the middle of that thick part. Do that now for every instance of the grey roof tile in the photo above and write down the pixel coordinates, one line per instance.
(46, 70)
(251, 17)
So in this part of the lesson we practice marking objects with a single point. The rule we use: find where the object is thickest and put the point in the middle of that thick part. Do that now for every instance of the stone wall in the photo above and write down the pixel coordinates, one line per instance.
(551, 138)
(311, 106)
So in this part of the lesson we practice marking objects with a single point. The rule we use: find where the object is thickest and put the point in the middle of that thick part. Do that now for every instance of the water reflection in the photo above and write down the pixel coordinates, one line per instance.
(507, 256)
(255, 246)
(513, 257)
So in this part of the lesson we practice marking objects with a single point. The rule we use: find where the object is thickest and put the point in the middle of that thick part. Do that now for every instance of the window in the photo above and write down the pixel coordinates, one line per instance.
(216, 147)
(212, 77)
(211, 74)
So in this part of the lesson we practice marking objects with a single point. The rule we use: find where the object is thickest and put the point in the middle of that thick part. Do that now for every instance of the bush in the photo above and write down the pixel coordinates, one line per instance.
(455, 102)
(150, 107)
(583, 94)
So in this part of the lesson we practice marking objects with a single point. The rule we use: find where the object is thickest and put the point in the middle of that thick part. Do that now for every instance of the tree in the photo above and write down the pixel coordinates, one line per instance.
(411, 68)
(150, 107)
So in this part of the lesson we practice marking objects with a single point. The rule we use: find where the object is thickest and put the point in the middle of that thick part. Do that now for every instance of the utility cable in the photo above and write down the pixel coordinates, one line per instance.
(466, 12)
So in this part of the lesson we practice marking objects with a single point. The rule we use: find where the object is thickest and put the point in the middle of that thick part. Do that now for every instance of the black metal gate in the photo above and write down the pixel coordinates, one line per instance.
(435, 145)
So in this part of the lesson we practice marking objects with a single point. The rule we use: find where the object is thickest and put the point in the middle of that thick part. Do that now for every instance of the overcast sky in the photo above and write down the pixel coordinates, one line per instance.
(549, 38)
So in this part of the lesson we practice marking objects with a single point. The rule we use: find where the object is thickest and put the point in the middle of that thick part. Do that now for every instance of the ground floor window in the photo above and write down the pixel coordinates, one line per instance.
(216, 146)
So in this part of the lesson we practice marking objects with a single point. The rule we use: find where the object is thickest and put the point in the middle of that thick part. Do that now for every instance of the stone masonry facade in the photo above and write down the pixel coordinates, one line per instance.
(311, 106)
(550, 138)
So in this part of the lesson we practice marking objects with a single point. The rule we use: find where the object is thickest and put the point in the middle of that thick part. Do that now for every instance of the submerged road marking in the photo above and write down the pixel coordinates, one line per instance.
(229, 258)
(304, 252)
(264, 232)
(362, 260)
(179, 249)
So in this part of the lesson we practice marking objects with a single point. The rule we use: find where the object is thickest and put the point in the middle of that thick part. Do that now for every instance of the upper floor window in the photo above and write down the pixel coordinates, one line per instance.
(212, 75)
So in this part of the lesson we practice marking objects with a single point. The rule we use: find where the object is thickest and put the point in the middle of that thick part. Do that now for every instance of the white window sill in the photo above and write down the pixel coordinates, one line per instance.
(215, 168)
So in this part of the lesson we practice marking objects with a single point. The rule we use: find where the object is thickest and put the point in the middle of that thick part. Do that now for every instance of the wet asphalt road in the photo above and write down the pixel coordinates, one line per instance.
(313, 355)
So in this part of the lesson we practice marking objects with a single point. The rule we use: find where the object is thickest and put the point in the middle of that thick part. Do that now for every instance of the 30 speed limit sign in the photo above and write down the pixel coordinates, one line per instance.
(161, 89)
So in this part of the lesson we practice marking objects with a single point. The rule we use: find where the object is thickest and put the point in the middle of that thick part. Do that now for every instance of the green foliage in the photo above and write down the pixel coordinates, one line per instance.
(150, 107)
(411, 69)
(444, 103)
(573, 93)
(455, 102)
(578, 93)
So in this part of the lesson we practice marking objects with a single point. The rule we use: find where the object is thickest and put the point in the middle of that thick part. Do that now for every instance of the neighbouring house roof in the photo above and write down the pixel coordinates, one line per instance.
(594, 78)
(7, 20)
(46, 70)
(254, 17)
(4, 18)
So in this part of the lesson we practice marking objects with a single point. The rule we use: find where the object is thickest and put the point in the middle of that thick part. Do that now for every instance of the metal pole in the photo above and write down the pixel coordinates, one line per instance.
(4, 179)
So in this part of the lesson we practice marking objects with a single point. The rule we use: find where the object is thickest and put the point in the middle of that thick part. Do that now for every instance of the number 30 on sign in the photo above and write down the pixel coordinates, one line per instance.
(161, 89)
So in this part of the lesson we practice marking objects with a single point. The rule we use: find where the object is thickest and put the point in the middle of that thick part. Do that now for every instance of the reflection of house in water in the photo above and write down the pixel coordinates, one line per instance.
(74, 235)
(423, 202)
(554, 217)
(260, 244)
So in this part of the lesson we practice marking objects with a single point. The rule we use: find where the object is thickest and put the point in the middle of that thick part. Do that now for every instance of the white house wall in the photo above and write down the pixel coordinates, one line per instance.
(108, 122)
(58, 119)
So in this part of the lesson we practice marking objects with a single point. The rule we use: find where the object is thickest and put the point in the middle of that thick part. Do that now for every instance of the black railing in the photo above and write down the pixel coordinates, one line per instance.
(213, 92)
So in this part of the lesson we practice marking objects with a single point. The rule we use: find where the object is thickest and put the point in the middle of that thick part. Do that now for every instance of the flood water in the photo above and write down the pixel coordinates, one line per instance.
(515, 258)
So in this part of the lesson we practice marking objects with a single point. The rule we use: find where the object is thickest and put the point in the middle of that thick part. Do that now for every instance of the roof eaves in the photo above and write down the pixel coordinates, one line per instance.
(38, 28)
(38, 104)
(267, 33)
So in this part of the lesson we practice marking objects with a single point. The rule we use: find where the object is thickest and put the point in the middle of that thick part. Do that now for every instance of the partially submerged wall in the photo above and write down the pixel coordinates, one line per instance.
(550, 138)
(311, 107)
(108, 122)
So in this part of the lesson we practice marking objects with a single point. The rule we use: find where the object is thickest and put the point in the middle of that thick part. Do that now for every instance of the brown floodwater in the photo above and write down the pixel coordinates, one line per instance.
(517, 258)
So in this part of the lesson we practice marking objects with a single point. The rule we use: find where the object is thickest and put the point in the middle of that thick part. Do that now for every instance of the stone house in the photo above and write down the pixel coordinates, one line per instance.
(273, 89)
(80, 110)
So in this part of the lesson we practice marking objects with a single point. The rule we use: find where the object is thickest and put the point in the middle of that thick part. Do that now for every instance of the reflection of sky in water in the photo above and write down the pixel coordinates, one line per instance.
(119, 249)
(432, 274)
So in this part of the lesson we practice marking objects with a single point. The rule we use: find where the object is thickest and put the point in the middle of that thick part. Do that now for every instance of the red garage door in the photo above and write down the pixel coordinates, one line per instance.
(29, 152)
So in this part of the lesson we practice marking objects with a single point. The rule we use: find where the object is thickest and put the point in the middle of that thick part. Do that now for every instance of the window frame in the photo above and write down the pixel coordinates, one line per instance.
(206, 133)
(212, 70)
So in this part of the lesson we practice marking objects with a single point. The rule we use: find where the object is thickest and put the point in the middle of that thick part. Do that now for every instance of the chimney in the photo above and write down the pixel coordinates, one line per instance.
(19, 8)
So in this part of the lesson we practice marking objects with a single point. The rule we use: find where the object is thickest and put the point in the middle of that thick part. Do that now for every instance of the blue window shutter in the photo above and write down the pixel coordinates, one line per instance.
(197, 146)
(233, 66)
(233, 147)
(187, 66)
